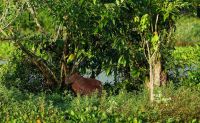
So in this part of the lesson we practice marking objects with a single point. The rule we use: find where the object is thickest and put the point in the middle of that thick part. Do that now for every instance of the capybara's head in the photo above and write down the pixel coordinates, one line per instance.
(72, 78)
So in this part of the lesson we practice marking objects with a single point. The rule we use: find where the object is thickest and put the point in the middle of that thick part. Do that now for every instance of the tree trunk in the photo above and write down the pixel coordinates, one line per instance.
(151, 86)
(154, 75)
(163, 78)
(65, 70)
(157, 73)
(51, 80)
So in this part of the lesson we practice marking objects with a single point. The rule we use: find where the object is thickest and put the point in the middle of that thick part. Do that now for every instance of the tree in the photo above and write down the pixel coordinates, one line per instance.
(61, 36)
(155, 27)
(193, 7)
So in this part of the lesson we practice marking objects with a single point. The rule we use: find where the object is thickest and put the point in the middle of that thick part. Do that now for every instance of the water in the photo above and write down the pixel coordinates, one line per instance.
(102, 77)
(2, 62)
(105, 79)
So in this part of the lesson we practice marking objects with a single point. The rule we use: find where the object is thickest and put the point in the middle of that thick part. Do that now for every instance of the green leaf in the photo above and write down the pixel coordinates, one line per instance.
(136, 19)
(104, 116)
(120, 60)
(108, 70)
(96, 31)
(117, 2)
(81, 2)
(113, 21)
(166, 15)
(155, 40)
(135, 73)
(79, 54)
(71, 58)
(144, 22)
(135, 120)
(72, 113)
(124, 62)
(94, 1)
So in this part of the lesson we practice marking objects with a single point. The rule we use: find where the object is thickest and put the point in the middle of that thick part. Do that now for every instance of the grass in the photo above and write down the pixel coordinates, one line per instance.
(17, 106)
(187, 31)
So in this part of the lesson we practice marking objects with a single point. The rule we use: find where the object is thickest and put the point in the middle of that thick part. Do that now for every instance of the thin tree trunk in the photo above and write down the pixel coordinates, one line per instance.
(163, 78)
(33, 13)
(151, 86)
(157, 73)
(65, 70)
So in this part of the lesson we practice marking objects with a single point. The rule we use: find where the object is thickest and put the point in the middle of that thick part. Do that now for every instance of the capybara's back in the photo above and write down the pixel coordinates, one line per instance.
(84, 86)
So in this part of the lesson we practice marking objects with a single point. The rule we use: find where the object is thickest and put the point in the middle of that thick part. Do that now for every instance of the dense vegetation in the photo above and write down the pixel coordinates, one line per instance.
(173, 106)
(150, 48)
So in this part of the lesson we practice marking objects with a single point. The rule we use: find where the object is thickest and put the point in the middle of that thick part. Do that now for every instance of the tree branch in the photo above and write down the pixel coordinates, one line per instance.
(34, 14)
(156, 24)
(6, 11)
(39, 62)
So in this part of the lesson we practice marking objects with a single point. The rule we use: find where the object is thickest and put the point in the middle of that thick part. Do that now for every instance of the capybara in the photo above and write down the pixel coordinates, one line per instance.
(83, 86)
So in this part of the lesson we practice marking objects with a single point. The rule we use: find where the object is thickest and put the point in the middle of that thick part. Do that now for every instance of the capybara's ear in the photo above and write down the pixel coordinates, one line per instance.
(77, 74)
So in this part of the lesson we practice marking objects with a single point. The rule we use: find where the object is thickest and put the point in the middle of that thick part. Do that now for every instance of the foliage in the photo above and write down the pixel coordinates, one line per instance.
(178, 102)
(184, 67)
(20, 73)
(102, 36)
(17, 106)
(124, 38)
(6, 50)
(187, 31)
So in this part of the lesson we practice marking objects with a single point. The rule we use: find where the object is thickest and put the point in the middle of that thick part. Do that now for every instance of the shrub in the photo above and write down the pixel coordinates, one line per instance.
(187, 31)
(20, 73)
(182, 106)
(184, 66)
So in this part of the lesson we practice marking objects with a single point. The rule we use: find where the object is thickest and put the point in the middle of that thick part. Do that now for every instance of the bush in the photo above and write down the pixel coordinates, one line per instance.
(20, 73)
(187, 31)
(6, 50)
(184, 68)
(171, 105)
(183, 65)
(180, 104)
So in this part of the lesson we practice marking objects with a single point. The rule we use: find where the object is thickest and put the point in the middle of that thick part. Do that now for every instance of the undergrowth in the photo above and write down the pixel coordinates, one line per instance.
(171, 105)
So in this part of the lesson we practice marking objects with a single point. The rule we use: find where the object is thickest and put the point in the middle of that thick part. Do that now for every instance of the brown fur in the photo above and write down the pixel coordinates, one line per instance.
(84, 86)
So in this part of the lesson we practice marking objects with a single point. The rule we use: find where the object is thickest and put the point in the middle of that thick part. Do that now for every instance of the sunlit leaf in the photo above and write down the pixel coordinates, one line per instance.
(120, 59)
(71, 58)
(94, 1)
(108, 70)
(136, 19)
(118, 2)
(155, 40)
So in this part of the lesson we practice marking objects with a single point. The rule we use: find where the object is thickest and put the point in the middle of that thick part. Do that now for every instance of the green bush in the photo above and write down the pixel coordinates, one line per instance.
(171, 105)
(184, 67)
(187, 30)
(20, 73)
(6, 50)
(180, 104)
